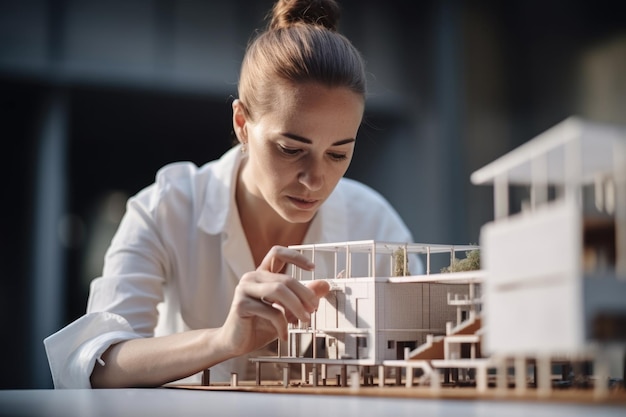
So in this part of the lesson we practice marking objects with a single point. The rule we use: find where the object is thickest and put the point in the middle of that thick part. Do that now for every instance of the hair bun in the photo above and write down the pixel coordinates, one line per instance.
(313, 12)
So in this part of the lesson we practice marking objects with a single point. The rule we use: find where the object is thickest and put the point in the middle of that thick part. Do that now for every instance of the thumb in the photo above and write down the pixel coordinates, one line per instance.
(319, 286)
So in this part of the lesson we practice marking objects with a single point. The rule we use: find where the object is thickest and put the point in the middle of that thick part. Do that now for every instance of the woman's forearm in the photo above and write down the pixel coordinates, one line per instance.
(149, 362)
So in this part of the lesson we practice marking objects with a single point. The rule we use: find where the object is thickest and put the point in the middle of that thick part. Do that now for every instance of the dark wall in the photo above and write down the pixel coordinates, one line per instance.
(19, 106)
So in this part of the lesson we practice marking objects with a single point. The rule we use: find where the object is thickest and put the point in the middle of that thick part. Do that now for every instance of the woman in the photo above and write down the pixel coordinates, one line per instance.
(199, 258)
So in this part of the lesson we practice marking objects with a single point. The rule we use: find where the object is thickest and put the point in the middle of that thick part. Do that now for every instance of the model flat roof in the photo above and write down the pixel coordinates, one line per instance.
(365, 246)
(595, 143)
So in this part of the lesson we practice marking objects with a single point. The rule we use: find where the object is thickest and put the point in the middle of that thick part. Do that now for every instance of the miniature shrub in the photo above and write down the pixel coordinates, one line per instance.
(471, 262)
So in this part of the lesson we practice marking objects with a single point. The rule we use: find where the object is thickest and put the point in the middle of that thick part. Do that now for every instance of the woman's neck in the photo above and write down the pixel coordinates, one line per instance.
(262, 226)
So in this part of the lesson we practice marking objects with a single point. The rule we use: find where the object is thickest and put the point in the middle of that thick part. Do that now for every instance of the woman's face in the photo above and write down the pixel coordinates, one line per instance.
(298, 152)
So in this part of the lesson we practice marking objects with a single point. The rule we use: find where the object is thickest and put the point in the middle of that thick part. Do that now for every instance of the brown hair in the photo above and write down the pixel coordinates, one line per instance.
(301, 44)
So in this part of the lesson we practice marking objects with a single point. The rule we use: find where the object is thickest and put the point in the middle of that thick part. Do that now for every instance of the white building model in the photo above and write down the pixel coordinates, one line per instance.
(377, 312)
(551, 288)
(555, 282)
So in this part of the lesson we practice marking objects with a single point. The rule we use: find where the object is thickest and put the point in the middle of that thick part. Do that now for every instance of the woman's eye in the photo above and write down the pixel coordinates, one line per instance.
(337, 156)
(289, 151)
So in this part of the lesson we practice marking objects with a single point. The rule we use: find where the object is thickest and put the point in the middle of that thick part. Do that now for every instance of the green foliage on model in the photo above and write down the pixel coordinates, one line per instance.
(401, 263)
(471, 262)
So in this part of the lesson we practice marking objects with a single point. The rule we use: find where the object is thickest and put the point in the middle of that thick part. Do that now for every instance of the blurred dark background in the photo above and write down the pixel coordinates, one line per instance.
(95, 96)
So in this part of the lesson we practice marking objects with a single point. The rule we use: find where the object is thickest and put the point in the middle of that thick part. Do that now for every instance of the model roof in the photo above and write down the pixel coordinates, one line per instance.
(365, 246)
(574, 150)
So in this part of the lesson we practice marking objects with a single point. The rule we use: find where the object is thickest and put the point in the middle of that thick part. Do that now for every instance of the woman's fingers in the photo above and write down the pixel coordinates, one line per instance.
(252, 324)
(275, 298)
(283, 290)
(319, 286)
(272, 315)
(279, 256)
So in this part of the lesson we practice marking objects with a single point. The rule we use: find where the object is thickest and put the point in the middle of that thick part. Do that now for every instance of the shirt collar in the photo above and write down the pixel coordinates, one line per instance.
(219, 198)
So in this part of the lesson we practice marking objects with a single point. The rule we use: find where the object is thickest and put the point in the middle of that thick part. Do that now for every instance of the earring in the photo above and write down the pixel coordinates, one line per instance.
(244, 147)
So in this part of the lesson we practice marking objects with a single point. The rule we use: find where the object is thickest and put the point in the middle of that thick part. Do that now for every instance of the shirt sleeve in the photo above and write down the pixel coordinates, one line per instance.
(73, 351)
(122, 302)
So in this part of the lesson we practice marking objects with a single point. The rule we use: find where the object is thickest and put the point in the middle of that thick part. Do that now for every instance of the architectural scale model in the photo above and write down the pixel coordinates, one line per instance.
(372, 322)
(555, 284)
(550, 291)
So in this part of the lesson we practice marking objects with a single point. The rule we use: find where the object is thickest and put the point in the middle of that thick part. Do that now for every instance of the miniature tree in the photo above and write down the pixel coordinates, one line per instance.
(401, 263)
(470, 263)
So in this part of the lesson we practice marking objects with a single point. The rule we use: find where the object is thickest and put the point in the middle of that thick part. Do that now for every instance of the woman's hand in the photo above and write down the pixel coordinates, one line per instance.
(266, 300)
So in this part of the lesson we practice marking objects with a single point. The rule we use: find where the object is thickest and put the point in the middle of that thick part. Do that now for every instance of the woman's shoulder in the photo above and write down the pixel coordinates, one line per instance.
(191, 179)
(174, 172)
(178, 183)
(174, 179)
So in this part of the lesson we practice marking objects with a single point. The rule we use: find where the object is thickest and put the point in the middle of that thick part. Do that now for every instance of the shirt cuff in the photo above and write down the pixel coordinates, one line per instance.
(72, 351)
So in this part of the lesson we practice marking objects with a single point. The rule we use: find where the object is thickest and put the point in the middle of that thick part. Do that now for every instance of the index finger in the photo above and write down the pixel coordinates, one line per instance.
(279, 256)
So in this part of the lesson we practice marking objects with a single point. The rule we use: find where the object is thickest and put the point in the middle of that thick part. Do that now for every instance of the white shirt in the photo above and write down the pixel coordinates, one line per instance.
(177, 257)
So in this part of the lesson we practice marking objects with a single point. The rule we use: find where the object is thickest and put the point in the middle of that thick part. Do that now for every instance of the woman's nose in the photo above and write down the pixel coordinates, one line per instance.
(312, 176)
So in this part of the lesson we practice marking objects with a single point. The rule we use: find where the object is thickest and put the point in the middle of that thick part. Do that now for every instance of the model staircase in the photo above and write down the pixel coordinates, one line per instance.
(434, 346)
(432, 349)
(469, 326)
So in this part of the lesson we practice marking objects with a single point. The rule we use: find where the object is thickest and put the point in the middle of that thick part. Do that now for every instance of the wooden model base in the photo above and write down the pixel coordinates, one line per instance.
(615, 396)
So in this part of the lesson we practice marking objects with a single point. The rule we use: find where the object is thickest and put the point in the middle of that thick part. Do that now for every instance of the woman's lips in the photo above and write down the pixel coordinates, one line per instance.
(303, 203)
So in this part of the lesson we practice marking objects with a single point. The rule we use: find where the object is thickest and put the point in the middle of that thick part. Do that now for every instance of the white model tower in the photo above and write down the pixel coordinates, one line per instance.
(555, 283)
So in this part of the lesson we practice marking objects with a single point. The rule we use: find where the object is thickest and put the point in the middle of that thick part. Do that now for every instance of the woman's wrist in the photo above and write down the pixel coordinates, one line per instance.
(218, 347)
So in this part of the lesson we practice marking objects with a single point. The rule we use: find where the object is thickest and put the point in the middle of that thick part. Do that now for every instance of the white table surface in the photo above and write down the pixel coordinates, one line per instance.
(188, 403)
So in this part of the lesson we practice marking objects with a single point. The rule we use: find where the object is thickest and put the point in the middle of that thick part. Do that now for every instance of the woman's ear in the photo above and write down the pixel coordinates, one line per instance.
(239, 121)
